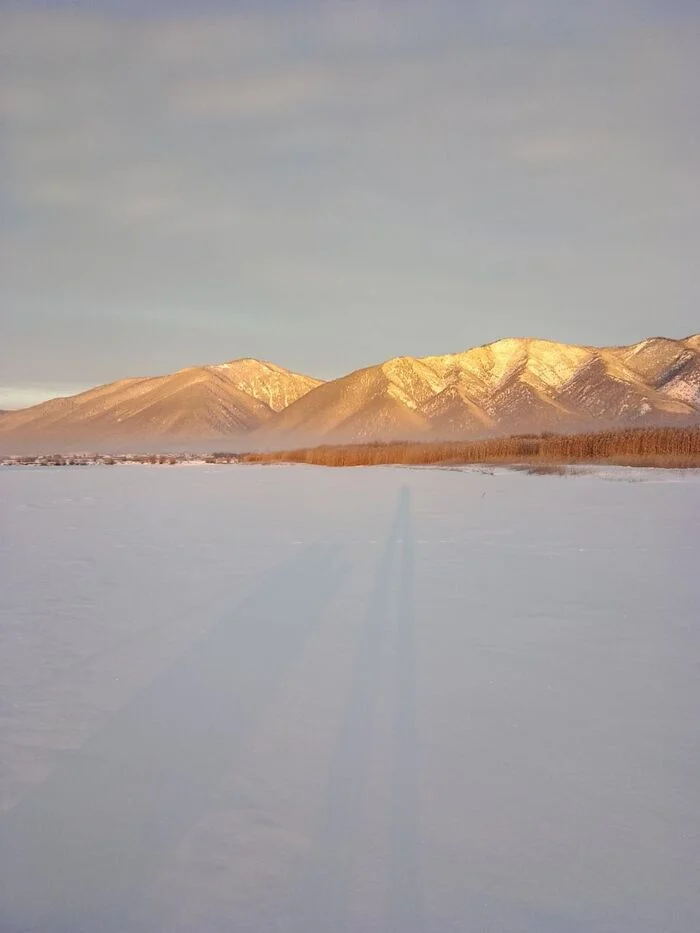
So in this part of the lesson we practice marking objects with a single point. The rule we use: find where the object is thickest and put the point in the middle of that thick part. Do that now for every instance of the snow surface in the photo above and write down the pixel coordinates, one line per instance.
(308, 700)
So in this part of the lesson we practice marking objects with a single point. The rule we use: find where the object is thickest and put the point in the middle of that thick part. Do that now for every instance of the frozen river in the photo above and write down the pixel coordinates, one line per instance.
(302, 700)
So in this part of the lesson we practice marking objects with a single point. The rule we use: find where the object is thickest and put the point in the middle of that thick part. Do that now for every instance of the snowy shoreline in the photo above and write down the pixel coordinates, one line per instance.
(629, 472)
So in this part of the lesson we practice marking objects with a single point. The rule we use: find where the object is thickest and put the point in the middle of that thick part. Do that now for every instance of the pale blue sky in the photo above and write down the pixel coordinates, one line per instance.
(327, 184)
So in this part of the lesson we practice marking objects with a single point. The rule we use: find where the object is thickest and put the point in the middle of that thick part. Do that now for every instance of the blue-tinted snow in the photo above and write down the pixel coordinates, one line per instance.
(298, 699)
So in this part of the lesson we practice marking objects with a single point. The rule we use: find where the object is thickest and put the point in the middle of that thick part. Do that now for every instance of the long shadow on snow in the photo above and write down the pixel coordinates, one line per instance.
(404, 906)
(327, 884)
(76, 853)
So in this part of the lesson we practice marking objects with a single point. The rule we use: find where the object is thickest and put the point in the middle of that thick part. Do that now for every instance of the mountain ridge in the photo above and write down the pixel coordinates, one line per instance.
(511, 385)
(194, 403)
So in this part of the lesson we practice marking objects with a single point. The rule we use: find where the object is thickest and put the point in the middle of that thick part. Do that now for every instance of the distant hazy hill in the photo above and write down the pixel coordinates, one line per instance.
(513, 385)
(198, 404)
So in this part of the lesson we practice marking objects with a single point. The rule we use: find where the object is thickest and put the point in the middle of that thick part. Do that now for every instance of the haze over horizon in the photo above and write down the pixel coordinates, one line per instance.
(326, 185)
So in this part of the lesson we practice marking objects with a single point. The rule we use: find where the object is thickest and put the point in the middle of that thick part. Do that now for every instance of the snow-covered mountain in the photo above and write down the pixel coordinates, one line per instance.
(511, 386)
(196, 404)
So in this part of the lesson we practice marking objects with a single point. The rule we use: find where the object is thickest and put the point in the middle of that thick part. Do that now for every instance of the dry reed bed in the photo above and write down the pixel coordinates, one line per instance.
(654, 447)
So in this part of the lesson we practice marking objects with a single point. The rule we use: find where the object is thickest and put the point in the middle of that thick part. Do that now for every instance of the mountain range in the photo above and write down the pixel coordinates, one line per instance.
(515, 385)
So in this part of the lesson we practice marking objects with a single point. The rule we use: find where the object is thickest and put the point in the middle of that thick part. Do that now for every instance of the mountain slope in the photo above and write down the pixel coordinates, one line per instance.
(512, 385)
(515, 385)
(200, 403)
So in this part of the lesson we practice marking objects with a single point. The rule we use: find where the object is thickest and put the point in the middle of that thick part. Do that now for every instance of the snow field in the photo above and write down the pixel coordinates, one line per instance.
(294, 698)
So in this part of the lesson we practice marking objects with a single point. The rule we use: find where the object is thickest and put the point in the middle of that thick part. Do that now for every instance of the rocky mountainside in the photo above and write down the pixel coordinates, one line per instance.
(514, 385)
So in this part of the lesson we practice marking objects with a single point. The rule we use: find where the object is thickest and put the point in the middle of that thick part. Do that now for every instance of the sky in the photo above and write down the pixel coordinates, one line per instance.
(330, 183)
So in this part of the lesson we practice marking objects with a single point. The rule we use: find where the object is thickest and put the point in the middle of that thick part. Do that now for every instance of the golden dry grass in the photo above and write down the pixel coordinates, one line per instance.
(654, 447)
